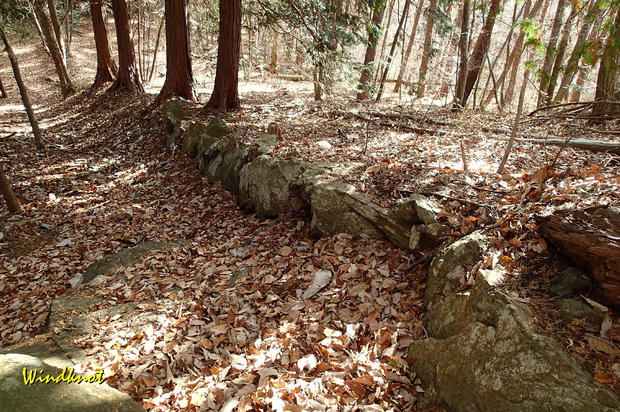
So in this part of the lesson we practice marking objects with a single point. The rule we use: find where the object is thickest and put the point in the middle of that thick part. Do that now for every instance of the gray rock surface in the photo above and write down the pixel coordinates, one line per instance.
(15, 396)
(483, 352)
(572, 309)
(570, 281)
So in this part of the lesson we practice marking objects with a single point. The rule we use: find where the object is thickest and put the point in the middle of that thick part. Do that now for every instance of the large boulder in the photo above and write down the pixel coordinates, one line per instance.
(483, 351)
(226, 163)
(16, 396)
(266, 185)
(338, 208)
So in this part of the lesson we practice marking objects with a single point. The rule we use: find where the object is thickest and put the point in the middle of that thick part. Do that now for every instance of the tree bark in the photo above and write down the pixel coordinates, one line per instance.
(392, 50)
(543, 98)
(608, 73)
(405, 61)
(179, 76)
(572, 65)
(106, 67)
(273, 64)
(7, 193)
(128, 78)
(480, 51)
(66, 86)
(3, 94)
(51, 5)
(591, 238)
(371, 53)
(463, 57)
(23, 91)
(225, 94)
(426, 51)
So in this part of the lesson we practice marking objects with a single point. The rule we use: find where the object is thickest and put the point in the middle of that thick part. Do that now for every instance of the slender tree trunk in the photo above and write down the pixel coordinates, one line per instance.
(575, 94)
(405, 62)
(3, 94)
(371, 53)
(66, 86)
(156, 51)
(106, 67)
(393, 50)
(51, 5)
(179, 75)
(23, 91)
(273, 63)
(225, 94)
(7, 193)
(37, 26)
(545, 76)
(426, 51)
(481, 49)
(463, 57)
(559, 57)
(452, 51)
(572, 65)
(127, 78)
(385, 37)
(606, 89)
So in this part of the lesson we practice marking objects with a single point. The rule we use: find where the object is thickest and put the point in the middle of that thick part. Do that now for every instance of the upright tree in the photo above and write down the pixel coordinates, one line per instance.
(386, 69)
(374, 32)
(179, 76)
(545, 72)
(128, 78)
(463, 56)
(426, 49)
(225, 94)
(607, 95)
(2, 91)
(66, 85)
(23, 91)
(481, 48)
(7, 192)
(405, 61)
(106, 67)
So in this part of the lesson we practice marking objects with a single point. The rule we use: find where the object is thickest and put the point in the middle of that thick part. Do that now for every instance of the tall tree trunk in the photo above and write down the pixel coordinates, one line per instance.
(3, 94)
(51, 5)
(179, 75)
(452, 51)
(606, 90)
(66, 86)
(7, 193)
(371, 52)
(23, 91)
(575, 94)
(273, 63)
(426, 51)
(405, 61)
(225, 94)
(106, 67)
(127, 79)
(545, 73)
(37, 26)
(559, 56)
(572, 65)
(393, 49)
(463, 57)
(386, 32)
(481, 48)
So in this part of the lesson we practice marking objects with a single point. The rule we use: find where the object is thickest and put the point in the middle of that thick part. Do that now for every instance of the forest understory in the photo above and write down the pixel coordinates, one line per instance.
(106, 182)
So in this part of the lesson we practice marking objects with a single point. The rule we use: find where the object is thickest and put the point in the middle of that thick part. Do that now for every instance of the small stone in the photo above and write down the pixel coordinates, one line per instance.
(218, 128)
(572, 309)
(324, 144)
(570, 281)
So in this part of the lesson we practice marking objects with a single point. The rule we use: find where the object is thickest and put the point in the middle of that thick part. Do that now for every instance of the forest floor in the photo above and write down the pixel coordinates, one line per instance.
(106, 182)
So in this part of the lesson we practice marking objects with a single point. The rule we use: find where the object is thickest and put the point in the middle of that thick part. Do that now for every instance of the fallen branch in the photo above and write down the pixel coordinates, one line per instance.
(592, 145)
(413, 129)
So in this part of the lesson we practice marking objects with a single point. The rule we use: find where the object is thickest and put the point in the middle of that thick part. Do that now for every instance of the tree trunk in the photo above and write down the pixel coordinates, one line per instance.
(572, 65)
(393, 50)
(426, 51)
(385, 37)
(559, 57)
(3, 94)
(23, 91)
(371, 52)
(37, 26)
(106, 67)
(405, 62)
(606, 90)
(591, 238)
(225, 94)
(179, 75)
(7, 193)
(66, 86)
(51, 5)
(481, 48)
(543, 98)
(452, 51)
(273, 64)
(463, 57)
(127, 79)
(575, 94)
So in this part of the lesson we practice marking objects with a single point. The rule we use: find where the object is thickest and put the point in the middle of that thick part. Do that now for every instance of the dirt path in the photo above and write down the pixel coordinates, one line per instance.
(106, 183)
